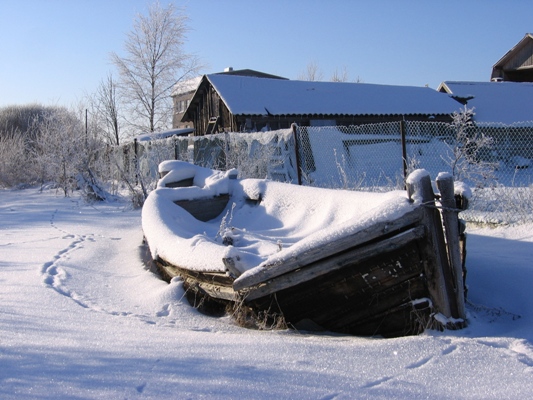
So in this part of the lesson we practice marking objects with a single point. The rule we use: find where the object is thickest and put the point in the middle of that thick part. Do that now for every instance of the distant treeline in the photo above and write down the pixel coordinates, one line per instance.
(24, 119)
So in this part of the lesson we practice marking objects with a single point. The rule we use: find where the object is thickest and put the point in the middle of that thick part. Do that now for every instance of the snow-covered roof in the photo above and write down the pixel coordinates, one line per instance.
(146, 137)
(245, 95)
(495, 102)
(186, 86)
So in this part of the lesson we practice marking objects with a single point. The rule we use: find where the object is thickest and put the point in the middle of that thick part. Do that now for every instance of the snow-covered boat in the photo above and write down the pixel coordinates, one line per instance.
(361, 263)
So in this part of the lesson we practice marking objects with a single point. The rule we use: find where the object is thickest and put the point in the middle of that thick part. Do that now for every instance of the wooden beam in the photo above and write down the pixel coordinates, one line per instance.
(336, 262)
(358, 238)
(216, 291)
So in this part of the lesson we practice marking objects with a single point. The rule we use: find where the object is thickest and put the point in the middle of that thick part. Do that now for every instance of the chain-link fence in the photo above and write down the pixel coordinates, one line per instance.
(256, 155)
(495, 161)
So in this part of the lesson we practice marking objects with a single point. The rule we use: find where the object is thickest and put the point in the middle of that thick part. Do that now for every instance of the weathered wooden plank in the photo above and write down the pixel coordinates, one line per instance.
(356, 282)
(381, 305)
(171, 270)
(351, 295)
(366, 235)
(335, 262)
(410, 318)
(437, 259)
(450, 220)
(216, 291)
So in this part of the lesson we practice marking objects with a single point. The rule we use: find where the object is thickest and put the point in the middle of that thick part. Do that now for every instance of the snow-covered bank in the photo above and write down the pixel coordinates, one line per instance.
(80, 317)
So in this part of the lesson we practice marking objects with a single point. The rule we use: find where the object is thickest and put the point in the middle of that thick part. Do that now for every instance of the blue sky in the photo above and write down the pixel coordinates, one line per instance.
(56, 51)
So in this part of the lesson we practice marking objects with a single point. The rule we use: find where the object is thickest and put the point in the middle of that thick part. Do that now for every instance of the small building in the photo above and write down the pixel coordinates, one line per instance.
(181, 97)
(517, 64)
(237, 103)
(183, 92)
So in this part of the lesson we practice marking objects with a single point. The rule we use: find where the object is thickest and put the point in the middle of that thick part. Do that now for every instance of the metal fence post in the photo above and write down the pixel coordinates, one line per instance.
(404, 149)
(136, 160)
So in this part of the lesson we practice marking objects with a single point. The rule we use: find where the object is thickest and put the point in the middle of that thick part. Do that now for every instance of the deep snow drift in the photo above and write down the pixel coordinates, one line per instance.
(81, 317)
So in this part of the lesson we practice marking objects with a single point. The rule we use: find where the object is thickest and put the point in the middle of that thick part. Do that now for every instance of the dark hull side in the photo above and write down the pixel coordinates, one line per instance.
(385, 295)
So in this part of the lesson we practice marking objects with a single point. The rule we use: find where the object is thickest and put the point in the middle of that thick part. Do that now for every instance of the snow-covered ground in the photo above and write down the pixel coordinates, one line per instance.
(81, 317)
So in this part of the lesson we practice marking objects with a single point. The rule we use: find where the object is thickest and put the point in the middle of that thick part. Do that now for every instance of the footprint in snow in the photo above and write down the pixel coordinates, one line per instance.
(164, 312)
(419, 363)
(449, 350)
(377, 382)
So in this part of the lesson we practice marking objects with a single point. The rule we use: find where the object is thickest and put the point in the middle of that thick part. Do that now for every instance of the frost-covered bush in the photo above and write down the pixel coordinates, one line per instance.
(14, 166)
(466, 152)
(18, 131)
(50, 145)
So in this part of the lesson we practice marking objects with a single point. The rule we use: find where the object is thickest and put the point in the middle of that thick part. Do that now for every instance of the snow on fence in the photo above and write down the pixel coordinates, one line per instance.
(494, 160)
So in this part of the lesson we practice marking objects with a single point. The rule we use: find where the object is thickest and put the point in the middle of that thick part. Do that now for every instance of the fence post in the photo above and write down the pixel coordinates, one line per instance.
(297, 153)
(436, 275)
(404, 150)
(136, 161)
(450, 220)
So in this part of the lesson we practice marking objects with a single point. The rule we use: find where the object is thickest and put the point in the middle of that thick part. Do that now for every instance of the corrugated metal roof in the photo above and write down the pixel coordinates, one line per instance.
(261, 96)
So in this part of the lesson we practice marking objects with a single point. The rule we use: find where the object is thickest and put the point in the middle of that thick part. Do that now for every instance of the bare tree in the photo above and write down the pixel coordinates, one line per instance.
(312, 73)
(59, 146)
(106, 109)
(155, 61)
(341, 76)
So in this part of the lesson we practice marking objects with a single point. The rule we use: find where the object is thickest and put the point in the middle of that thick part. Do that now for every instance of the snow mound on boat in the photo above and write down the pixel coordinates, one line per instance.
(264, 222)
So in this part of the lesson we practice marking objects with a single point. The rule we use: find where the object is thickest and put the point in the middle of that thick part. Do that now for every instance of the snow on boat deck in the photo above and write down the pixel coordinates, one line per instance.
(282, 221)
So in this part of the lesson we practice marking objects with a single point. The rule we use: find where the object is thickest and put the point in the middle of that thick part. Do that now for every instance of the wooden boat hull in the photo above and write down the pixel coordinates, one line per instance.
(377, 288)
(385, 294)
(391, 279)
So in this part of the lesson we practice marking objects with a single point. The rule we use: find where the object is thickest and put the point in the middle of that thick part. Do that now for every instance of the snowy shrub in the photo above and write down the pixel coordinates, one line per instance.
(14, 166)
(466, 150)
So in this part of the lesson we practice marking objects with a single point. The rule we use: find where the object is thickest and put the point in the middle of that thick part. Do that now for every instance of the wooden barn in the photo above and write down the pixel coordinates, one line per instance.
(517, 64)
(236, 103)
(183, 92)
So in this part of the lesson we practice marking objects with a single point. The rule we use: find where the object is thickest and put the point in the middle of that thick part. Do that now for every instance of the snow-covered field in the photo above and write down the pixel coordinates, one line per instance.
(81, 317)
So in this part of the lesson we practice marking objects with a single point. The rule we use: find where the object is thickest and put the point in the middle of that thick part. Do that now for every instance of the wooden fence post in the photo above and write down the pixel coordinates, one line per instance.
(451, 227)
(437, 286)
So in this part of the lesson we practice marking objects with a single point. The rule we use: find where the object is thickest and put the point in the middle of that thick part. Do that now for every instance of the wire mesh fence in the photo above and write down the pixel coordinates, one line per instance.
(494, 160)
